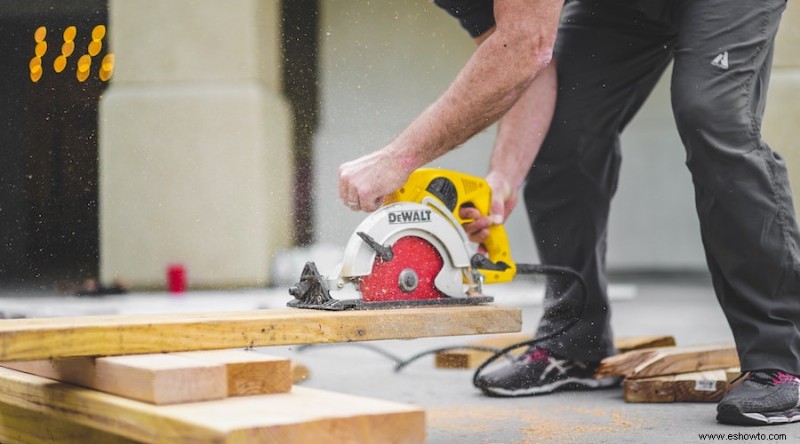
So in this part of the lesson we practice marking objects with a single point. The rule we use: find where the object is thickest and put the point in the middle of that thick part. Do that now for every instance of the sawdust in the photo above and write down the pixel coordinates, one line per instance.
(555, 425)
(593, 412)
(472, 420)
(571, 429)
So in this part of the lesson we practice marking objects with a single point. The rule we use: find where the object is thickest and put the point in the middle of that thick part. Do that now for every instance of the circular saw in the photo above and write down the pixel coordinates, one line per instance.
(413, 250)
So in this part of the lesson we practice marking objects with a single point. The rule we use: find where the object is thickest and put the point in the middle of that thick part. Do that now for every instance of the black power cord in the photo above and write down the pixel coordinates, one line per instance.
(402, 364)
(547, 270)
(528, 269)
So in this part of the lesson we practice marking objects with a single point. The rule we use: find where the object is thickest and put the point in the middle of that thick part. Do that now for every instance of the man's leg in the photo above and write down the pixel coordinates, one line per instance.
(609, 57)
(722, 65)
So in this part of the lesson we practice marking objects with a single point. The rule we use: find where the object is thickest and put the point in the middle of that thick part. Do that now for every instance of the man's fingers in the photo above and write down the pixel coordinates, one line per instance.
(497, 212)
(478, 229)
(469, 213)
(371, 205)
(358, 202)
(480, 236)
(353, 204)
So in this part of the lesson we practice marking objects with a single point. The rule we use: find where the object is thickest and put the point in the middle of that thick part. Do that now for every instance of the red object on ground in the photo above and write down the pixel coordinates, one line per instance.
(176, 278)
(410, 253)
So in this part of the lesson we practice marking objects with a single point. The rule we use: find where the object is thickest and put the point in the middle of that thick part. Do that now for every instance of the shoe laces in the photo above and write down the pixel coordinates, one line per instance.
(536, 355)
(550, 363)
(772, 377)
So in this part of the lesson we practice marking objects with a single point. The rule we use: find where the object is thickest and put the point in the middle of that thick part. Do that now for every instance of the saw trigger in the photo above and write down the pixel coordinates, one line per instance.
(482, 262)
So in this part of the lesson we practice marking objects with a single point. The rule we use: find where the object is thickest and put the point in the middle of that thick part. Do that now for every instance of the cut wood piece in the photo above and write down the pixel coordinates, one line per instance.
(708, 386)
(624, 345)
(249, 372)
(18, 425)
(669, 361)
(154, 378)
(45, 338)
(301, 416)
(466, 358)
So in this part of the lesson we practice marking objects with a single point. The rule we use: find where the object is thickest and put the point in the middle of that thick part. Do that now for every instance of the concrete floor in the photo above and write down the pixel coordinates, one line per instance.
(456, 411)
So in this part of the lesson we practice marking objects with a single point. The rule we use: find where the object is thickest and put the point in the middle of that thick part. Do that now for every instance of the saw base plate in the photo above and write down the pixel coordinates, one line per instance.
(312, 292)
(358, 304)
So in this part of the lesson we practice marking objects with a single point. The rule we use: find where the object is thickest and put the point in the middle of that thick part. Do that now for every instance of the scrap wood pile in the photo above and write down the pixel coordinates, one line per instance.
(674, 374)
(655, 370)
(477, 352)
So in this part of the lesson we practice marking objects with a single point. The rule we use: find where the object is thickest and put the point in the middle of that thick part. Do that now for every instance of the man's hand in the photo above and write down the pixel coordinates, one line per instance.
(504, 199)
(366, 181)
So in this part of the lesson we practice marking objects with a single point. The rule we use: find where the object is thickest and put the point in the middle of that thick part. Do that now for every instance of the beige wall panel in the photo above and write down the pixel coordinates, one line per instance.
(198, 176)
(196, 40)
(787, 44)
(781, 127)
(195, 155)
(782, 118)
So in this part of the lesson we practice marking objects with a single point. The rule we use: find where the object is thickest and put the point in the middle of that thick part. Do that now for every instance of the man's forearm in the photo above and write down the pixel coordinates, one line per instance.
(498, 73)
(523, 128)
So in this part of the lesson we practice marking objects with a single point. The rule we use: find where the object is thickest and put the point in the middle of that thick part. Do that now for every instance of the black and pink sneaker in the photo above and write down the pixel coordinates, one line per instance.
(538, 372)
(761, 397)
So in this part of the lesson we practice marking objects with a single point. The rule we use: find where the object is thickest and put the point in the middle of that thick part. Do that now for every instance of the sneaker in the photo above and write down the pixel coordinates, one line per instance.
(538, 372)
(762, 397)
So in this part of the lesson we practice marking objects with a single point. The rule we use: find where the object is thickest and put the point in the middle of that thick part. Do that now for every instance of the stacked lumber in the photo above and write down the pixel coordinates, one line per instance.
(37, 409)
(673, 374)
(185, 378)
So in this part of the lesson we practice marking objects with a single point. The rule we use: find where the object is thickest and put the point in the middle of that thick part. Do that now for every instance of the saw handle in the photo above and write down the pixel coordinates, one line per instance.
(498, 251)
(455, 190)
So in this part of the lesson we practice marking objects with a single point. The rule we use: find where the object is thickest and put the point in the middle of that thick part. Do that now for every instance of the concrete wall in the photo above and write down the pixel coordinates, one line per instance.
(383, 62)
(195, 162)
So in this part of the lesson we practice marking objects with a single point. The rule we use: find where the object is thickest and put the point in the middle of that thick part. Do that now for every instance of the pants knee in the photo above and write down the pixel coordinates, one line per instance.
(726, 117)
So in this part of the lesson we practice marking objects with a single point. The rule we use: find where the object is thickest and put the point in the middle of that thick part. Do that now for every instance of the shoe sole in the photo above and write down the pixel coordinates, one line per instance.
(728, 414)
(557, 386)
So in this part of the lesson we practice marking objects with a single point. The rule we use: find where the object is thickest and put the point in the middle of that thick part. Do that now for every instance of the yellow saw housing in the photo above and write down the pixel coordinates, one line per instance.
(455, 190)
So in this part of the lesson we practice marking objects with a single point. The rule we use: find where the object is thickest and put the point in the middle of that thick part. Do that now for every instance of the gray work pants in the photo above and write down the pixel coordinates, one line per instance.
(610, 55)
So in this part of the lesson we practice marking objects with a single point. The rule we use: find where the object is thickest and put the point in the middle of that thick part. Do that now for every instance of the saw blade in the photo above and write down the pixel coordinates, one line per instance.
(409, 275)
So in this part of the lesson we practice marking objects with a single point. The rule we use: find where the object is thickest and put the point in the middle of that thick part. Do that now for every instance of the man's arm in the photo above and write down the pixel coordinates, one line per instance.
(520, 135)
(494, 78)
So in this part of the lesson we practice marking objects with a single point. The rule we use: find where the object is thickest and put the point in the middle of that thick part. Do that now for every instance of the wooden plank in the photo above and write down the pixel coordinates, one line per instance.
(249, 372)
(46, 338)
(302, 416)
(669, 361)
(155, 378)
(708, 386)
(624, 345)
(466, 358)
(18, 425)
